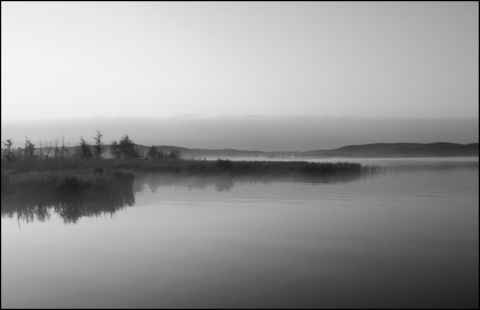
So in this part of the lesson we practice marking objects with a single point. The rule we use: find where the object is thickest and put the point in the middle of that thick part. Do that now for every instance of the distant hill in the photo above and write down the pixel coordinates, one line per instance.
(439, 149)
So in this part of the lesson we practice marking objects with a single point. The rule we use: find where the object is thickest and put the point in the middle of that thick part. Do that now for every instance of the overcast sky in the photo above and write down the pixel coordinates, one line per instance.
(157, 59)
(191, 63)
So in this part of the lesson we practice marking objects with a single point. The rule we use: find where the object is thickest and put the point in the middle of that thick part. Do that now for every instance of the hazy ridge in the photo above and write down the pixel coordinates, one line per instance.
(438, 149)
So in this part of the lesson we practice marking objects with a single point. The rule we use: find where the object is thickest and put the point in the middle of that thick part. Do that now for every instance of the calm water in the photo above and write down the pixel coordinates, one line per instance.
(406, 238)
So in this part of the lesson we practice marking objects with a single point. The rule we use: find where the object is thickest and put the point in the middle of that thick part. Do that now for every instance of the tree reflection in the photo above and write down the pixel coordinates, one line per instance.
(95, 201)
(39, 205)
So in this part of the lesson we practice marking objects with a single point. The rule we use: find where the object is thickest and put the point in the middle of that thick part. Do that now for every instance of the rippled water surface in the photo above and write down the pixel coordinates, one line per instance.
(404, 238)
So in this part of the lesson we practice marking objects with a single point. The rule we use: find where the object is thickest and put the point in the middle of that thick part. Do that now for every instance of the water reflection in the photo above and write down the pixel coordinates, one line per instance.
(406, 241)
(433, 165)
(227, 182)
(70, 206)
(40, 205)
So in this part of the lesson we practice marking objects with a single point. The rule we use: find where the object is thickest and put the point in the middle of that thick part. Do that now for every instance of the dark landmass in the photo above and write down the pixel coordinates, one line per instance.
(440, 149)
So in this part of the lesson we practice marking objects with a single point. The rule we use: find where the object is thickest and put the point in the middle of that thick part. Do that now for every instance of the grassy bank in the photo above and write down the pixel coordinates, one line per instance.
(62, 181)
(68, 176)
(186, 166)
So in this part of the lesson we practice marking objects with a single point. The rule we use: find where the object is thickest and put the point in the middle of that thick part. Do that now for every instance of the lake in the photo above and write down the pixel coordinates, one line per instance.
(405, 238)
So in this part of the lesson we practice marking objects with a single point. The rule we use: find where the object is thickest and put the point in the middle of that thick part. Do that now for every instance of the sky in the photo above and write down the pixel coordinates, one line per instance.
(211, 60)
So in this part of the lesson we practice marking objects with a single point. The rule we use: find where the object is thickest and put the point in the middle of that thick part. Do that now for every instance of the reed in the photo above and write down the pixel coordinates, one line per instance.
(62, 181)
(166, 165)
(72, 176)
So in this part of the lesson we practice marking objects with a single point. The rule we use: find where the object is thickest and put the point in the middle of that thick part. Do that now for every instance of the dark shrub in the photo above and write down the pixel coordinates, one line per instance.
(70, 184)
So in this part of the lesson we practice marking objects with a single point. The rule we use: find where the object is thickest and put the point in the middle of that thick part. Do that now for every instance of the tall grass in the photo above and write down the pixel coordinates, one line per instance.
(203, 167)
(62, 181)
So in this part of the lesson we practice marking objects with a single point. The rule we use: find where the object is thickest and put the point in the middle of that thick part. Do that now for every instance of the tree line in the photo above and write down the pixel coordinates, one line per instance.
(122, 149)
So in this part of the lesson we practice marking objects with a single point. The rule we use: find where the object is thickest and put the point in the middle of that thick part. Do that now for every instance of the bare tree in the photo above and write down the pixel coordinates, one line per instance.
(56, 148)
(48, 148)
(7, 151)
(29, 149)
(40, 150)
(98, 147)
(63, 147)
(25, 149)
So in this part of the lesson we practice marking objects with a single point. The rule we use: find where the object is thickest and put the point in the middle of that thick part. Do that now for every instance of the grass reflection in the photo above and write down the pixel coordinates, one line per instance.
(72, 196)
(226, 182)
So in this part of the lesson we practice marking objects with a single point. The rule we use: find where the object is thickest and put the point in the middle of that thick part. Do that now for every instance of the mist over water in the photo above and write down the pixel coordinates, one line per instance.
(403, 238)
